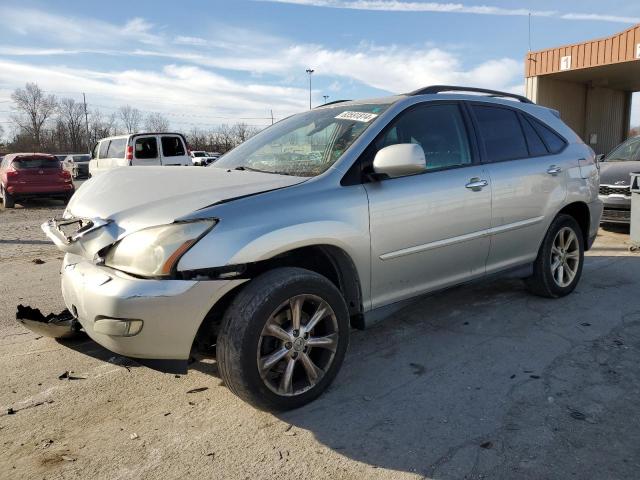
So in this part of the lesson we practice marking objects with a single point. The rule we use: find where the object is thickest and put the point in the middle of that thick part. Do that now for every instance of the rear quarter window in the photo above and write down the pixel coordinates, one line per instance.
(555, 143)
(117, 148)
(104, 145)
(537, 147)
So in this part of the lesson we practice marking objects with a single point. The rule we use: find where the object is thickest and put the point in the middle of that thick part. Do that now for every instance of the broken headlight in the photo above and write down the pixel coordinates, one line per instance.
(155, 251)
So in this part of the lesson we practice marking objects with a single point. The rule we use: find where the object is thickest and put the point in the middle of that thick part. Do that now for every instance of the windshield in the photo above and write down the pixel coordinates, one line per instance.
(628, 151)
(36, 162)
(199, 154)
(306, 144)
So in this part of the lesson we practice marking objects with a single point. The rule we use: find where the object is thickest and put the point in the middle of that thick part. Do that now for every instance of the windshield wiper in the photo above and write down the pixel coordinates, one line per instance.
(243, 168)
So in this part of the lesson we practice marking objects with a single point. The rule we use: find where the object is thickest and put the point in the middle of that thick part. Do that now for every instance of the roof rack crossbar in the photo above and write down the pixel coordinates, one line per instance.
(454, 88)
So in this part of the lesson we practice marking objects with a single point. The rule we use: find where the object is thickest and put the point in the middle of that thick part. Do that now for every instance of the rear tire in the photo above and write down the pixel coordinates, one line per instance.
(269, 359)
(558, 267)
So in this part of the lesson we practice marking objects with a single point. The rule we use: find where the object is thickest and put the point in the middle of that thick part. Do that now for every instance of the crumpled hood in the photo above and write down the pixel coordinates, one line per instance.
(612, 172)
(133, 198)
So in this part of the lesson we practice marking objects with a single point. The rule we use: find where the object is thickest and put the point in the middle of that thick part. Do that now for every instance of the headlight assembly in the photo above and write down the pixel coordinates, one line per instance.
(155, 251)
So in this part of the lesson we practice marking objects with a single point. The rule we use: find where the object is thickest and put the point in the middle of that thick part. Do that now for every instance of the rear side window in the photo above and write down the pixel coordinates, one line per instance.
(146, 147)
(501, 133)
(104, 145)
(172, 147)
(116, 148)
(536, 145)
(554, 142)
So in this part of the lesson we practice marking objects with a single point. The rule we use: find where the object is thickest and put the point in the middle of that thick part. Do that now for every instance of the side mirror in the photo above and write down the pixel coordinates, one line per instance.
(400, 160)
(600, 157)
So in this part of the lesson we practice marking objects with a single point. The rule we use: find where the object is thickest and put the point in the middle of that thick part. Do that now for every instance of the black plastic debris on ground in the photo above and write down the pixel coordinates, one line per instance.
(57, 325)
(68, 375)
(197, 390)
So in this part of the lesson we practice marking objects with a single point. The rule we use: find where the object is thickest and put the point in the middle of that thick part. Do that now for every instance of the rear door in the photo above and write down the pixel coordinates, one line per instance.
(528, 178)
(173, 150)
(428, 230)
(146, 151)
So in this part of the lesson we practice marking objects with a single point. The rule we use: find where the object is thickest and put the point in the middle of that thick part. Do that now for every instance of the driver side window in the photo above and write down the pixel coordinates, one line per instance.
(439, 129)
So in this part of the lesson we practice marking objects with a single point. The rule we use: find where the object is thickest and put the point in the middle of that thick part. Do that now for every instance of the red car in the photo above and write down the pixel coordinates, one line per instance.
(33, 175)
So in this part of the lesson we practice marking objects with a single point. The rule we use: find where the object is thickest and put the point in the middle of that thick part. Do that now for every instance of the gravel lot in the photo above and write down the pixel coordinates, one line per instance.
(481, 381)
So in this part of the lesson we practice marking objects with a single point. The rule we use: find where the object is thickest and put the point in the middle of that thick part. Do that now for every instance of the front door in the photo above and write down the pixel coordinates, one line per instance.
(429, 230)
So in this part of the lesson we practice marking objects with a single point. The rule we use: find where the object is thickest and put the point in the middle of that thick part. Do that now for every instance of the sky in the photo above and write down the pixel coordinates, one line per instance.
(203, 63)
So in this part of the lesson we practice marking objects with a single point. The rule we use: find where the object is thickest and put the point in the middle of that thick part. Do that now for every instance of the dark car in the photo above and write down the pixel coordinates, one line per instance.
(33, 175)
(615, 188)
(77, 164)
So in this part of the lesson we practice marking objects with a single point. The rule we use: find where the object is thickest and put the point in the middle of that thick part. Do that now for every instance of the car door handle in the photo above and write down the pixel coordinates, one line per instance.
(554, 169)
(476, 184)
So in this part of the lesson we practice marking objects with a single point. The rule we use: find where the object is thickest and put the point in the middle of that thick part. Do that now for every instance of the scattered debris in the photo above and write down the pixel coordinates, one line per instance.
(418, 369)
(68, 376)
(512, 376)
(486, 445)
(535, 377)
(10, 411)
(38, 261)
(121, 362)
(212, 455)
(618, 342)
(585, 324)
(197, 390)
(60, 325)
(289, 431)
(67, 458)
(577, 415)
(466, 323)
(167, 414)
(133, 436)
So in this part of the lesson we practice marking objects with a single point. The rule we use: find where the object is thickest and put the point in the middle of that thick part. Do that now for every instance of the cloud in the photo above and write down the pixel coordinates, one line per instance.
(194, 41)
(437, 7)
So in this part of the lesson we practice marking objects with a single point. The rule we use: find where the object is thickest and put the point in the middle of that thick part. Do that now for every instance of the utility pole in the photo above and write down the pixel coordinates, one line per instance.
(309, 71)
(86, 121)
(326, 97)
(271, 117)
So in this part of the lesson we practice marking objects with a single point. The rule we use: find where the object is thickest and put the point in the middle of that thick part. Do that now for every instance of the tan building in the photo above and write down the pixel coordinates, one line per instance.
(590, 83)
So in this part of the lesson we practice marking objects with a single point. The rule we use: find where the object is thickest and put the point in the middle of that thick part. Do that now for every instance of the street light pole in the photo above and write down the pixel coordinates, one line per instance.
(310, 71)
(326, 97)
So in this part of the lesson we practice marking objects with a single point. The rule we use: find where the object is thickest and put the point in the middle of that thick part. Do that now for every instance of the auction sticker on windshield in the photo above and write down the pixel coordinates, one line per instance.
(357, 116)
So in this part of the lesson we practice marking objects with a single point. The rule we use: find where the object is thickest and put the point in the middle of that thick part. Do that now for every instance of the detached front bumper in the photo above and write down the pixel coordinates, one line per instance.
(139, 318)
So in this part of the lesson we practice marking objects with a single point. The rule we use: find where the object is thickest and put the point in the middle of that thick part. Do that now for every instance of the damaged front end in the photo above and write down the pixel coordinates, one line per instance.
(66, 232)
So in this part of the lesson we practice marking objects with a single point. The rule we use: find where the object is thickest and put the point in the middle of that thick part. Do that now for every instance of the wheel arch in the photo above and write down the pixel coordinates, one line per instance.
(580, 212)
(330, 261)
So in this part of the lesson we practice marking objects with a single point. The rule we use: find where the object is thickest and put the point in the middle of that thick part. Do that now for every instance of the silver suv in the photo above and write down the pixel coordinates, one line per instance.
(329, 219)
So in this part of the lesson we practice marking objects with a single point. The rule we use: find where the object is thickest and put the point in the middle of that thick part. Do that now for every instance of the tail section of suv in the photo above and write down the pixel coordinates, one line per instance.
(139, 150)
(33, 175)
(327, 219)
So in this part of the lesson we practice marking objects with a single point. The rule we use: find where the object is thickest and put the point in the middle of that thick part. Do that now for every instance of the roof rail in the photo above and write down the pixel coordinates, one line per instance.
(331, 103)
(453, 88)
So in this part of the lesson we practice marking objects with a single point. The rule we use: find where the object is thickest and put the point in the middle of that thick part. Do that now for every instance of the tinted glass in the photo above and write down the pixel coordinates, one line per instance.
(536, 146)
(117, 148)
(501, 133)
(438, 129)
(36, 162)
(554, 142)
(172, 147)
(625, 152)
(104, 145)
(94, 153)
(81, 158)
(146, 147)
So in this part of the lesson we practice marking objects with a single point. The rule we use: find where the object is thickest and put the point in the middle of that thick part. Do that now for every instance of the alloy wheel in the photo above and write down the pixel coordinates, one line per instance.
(297, 345)
(565, 257)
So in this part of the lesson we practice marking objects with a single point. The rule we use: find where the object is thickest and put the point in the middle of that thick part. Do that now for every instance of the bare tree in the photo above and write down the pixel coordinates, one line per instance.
(72, 116)
(1, 135)
(131, 118)
(101, 126)
(243, 132)
(33, 108)
(155, 122)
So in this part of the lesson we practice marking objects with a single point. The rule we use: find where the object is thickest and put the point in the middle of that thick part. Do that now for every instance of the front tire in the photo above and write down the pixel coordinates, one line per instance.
(558, 267)
(283, 339)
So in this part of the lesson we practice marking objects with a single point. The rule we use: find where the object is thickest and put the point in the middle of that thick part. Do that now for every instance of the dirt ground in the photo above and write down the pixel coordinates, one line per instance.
(481, 381)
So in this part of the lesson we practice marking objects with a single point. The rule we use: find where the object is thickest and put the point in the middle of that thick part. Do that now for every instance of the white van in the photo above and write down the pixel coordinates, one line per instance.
(139, 150)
